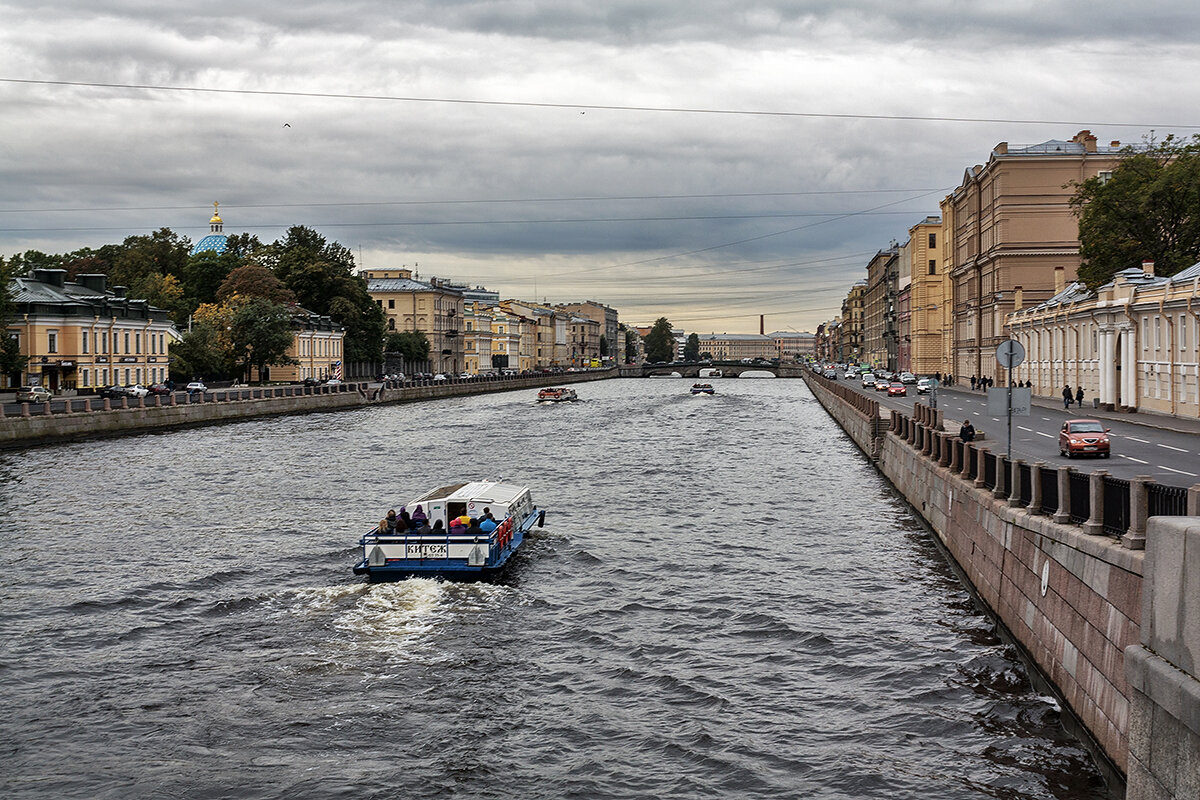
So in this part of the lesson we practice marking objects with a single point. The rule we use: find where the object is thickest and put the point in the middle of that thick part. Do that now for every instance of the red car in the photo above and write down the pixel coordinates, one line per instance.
(1083, 437)
(897, 390)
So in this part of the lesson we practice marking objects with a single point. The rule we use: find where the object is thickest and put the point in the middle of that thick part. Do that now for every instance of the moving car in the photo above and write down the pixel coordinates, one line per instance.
(868, 380)
(897, 389)
(882, 384)
(33, 394)
(925, 384)
(113, 391)
(907, 377)
(196, 387)
(136, 390)
(1083, 437)
(158, 388)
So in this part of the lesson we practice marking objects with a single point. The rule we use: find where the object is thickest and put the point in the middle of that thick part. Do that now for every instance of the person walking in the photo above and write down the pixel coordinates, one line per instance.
(1068, 396)
(972, 383)
(1079, 396)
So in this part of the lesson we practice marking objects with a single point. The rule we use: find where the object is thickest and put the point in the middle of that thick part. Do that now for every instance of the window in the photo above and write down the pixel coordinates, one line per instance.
(137, 343)
(1182, 334)
(85, 377)
(1104, 177)
(51, 341)
(932, 264)
(391, 302)
(932, 241)
(83, 343)
(127, 352)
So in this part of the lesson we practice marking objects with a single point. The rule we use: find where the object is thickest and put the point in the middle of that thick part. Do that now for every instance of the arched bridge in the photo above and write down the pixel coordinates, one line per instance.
(732, 369)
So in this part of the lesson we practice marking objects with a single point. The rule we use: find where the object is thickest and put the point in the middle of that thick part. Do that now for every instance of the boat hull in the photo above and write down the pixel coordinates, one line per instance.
(448, 569)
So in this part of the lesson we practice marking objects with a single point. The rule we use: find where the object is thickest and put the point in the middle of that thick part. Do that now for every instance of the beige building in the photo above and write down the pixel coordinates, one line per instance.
(316, 347)
(583, 340)
(1133, 345)
(853, 323)
(736, 346)
(929, 306)
(82, 335)
(432, 307)
(879, 309)
(793, 345)
(605, 317)
(1012, 228)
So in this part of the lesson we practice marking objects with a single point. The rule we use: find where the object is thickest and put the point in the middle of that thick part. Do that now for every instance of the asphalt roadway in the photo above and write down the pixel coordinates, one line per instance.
(1164, 448)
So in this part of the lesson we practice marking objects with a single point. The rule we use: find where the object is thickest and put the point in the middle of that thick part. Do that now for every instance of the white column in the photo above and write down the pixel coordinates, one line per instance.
(1129, 370)
(1108, 368)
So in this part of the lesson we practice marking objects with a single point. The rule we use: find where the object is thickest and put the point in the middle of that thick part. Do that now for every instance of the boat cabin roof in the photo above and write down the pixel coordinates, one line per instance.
(479, 491)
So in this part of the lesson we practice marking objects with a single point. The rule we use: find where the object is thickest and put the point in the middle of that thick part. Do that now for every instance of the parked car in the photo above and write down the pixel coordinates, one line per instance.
(136, 390)
(466, 376)
(897, 389)
(1083, 437)
(333, 382)
(112, 392)
(33, 394)
(907, 377)
(158, 388)
(196, 387)
(439, 377)
(312, 382)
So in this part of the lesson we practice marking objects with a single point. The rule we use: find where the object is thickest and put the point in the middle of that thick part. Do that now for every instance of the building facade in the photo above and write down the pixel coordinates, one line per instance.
(1132, 345)
(606, 319)
(432, 307)
(793, 345)
(736, 346)
(82, 335)
(879, 309)
(929, 308)
(1013, 227)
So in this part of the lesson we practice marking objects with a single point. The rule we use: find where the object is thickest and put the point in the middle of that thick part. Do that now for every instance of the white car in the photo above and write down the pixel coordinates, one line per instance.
(33, 394)
(907, 377)
(439, 377)
(196, 387)
(868, 380)
(925, 384)
(333, 382)
(136, 390)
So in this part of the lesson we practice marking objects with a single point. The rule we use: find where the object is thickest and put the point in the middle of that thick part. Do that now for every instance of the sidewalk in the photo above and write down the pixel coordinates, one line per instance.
(1190, 425)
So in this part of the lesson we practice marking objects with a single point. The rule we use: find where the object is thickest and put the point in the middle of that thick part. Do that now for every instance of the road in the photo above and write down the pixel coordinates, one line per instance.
(1168, 457)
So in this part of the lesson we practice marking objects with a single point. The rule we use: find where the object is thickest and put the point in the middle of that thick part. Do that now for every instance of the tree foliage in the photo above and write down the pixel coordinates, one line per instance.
(252, 280)
(660, 344)
(411, 345)
(691, 348)
(200, 354)
(11, 359)
(1148, 209)
(260, 335)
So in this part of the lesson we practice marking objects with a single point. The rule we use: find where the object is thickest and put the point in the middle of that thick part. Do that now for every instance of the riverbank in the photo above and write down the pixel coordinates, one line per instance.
(85, 418)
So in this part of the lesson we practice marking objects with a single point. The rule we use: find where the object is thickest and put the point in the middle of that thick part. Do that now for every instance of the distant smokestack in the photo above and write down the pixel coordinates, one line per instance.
(762, 325)
(1148, 266)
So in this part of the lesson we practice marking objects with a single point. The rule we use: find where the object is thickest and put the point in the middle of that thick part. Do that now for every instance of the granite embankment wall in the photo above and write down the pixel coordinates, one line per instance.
(228, 405)
(1072, 600)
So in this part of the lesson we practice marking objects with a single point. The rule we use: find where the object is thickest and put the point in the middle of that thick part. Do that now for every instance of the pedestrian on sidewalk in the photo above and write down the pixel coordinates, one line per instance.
(972, 383)
(1068, 396)
(1079, 396)
(967, 431)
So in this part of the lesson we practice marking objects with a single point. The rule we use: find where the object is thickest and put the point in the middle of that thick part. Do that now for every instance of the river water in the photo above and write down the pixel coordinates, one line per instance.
(727, 601)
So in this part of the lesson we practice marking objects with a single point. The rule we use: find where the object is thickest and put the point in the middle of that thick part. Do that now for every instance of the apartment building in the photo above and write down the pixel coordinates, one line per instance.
(82, 334)
(432, 307)
(928, 313)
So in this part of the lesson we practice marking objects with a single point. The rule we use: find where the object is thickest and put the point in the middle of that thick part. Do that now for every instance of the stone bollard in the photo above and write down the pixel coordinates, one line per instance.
(1095, 523)
(87, 405)
(107, 404)
(1035, 488)
(141, 402)
(1014, 484)
(173, 402)
(955, 455)
(1001, 488)
(24, 409)
(67, 403)
(945, 448)
(939, 419)
(1134, 537)
(124, 401)
(158, 401)
(980, 452)
(1063, 514)
(1193, 501)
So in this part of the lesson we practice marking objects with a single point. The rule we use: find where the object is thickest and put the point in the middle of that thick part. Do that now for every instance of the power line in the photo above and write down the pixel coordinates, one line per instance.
(587, 106)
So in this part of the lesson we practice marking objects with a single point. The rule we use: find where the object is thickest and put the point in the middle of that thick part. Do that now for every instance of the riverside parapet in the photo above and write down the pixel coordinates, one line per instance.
(102, 418)
(1114, 628)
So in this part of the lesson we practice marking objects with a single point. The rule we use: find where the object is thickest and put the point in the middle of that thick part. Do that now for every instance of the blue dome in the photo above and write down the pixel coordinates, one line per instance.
(217, 242)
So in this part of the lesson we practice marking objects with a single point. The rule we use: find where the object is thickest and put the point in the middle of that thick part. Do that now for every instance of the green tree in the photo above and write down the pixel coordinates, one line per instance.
(200, 354)
(631, 340)
(691, 349)
(411, 345)
(660, 344)
(11, 360)
(163, 252)
(1148, 209)
(260, 335)
(203, 275)
(603, 345)
(251, 280)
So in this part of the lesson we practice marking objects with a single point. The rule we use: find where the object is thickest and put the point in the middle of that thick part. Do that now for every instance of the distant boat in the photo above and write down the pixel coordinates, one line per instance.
(460, 554)
(563, 395)
(702, 388)
(711, 372)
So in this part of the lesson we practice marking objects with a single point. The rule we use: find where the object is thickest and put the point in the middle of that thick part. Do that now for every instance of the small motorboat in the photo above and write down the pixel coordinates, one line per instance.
(443, 549)
(559, 395)
(702, 388)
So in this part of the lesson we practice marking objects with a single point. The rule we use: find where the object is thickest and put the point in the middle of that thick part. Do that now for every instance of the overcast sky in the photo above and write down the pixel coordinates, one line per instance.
(565, 149)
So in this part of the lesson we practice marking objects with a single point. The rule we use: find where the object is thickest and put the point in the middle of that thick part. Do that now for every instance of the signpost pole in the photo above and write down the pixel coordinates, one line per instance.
(1010, 353)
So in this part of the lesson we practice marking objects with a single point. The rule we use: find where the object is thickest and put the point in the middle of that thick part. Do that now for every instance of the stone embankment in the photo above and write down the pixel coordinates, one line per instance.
(1055, 555)
(87, 417)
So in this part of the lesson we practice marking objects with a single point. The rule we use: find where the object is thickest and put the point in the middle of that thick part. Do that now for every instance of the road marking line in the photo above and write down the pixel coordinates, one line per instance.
(1045, 419)
(1176, 449)
(1135, 439)
(1131, 458)
(1022, 427)
(1181, 472)
(1048, 436)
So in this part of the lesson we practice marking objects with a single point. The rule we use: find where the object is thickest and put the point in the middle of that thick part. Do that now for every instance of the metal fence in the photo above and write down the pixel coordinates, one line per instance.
(972, 456)
(1024, 484)
(1116, 505)
(1081, 496)
(1049, 481)
(1166, 501)
(989, 470)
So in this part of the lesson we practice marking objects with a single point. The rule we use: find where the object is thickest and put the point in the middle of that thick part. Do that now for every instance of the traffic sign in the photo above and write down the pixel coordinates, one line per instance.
(1010, 353)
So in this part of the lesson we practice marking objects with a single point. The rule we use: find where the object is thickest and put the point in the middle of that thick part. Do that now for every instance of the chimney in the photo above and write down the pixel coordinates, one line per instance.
(762, 324)
(97, 282)
(1060, 279)
(119, 291)
(1001, 148)
(1148, 266)
(55, 277)
(1086, 139)
(1115, 143)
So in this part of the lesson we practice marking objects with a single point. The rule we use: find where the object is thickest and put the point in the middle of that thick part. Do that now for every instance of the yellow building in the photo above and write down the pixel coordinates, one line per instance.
(316, 347)
(929, 307)
(434, 308)
(736, 346)
(83, 335)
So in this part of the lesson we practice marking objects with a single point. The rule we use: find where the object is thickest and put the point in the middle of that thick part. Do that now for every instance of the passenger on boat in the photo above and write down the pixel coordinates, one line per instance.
(487, 514)
(457, 526)
(488, 524)
(391, 520)
(405, 519)
(424, 529)
(473, 529)
(383, 528)
(437, 526)
(419, 516)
